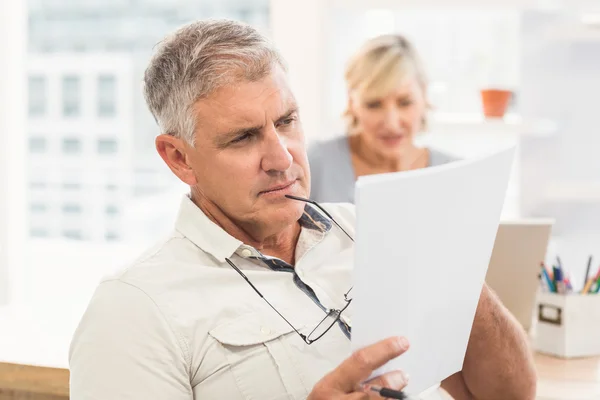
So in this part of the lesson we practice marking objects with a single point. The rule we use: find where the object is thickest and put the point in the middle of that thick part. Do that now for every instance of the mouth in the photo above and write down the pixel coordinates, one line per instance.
(284, 188)
(391, 140)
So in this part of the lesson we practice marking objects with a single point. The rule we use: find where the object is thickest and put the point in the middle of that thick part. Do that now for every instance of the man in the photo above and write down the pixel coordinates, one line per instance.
(242, 301)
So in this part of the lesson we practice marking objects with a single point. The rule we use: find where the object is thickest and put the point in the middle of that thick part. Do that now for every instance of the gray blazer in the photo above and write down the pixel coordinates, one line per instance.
(332, 173)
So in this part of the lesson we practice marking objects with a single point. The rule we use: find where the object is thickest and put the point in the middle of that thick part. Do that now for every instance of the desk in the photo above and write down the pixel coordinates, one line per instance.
(558, 379)
(23, 382)
(573, 379)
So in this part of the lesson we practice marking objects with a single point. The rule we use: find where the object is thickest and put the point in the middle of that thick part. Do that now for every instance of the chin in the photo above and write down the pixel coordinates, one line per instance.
(398, 150)
(285, 215)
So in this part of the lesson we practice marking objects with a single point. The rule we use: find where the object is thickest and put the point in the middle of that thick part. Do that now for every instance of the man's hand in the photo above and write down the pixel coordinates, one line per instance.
(344, 382)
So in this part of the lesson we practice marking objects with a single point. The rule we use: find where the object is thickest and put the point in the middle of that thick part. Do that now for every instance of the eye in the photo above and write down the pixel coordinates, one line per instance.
(287, 121)
(242, 138)
(373, 104)
(405, 102)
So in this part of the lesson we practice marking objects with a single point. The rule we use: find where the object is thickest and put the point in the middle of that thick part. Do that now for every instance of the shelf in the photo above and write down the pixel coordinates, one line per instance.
(478, 124)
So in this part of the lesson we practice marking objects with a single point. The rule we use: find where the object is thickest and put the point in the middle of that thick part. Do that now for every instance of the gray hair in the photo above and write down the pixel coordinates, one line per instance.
(198, 59)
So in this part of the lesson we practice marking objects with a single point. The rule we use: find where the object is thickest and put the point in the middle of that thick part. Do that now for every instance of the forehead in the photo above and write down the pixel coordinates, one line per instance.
(246, 102)
(407, 86)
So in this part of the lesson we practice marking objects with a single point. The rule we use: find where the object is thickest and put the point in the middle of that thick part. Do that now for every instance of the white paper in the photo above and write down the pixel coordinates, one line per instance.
(423, 243)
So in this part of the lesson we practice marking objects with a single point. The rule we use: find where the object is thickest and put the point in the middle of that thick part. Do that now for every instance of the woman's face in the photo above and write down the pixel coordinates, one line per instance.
(388, 124)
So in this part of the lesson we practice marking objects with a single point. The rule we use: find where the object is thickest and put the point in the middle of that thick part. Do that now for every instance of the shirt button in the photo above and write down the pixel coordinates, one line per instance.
(246, 253)
(265, 331)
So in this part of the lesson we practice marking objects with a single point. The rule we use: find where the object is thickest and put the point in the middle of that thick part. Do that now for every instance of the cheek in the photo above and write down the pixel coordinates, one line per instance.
(298, 152)
(370, 119)
(417, 119)
(418, 112)
(234, 169)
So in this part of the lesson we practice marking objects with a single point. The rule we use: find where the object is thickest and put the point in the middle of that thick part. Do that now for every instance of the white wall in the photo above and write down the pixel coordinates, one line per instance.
(13, 41)
(561, 177)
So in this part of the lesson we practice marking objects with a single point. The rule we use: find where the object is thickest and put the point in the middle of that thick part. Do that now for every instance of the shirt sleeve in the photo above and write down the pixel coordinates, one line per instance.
(124, 348)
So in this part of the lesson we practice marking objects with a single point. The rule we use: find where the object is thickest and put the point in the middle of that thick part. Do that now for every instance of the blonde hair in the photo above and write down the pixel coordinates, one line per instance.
(377, 68)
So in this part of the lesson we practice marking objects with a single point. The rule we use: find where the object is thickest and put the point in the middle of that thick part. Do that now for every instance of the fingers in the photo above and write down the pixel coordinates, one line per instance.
(357, 396)
(358, 367)
(396, 380)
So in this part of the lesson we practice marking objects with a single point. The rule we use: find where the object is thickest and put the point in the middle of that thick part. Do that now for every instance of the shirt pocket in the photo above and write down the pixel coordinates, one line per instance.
(257, 350)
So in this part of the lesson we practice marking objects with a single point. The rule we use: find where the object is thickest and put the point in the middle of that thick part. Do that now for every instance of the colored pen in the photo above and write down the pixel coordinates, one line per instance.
(569, 284)
(558, 279)
(590, 282)
(587, 286)
(597, 289)
(587, 270)
(549, 271)
(547, 279)
(543, 283)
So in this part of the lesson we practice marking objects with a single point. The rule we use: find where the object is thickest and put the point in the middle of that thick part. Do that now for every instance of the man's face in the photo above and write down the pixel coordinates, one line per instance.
(250, 153)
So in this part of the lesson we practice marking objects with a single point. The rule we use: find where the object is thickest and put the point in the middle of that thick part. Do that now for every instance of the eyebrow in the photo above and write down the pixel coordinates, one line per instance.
(403, 96)
(226, 137)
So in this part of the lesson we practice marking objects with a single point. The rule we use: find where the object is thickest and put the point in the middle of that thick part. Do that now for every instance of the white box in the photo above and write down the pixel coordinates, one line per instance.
(568, 325)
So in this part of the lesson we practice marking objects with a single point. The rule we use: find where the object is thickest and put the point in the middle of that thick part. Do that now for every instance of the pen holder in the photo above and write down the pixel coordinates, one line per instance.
(568, 325)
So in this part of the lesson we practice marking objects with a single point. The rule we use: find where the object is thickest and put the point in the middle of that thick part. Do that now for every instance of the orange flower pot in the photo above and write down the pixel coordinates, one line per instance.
(495, 102)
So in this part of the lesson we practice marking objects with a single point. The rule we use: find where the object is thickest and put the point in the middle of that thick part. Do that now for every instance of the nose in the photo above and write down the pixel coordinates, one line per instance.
(392, 119)
(276, 157)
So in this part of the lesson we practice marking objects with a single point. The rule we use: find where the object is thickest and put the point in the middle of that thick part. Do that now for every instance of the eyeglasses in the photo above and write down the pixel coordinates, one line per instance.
(332, 316)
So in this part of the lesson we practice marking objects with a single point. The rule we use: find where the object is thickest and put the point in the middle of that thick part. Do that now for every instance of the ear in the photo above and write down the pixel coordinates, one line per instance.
(175, 153)
(351, 114)
(350, 102)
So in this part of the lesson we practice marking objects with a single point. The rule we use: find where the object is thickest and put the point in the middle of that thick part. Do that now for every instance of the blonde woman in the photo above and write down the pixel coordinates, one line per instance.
(387, 108)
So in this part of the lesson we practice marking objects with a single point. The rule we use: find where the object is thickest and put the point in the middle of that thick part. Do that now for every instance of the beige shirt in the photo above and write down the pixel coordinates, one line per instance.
(181, 323)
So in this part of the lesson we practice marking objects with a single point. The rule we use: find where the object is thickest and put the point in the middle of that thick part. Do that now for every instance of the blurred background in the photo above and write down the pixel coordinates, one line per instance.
(83, 191)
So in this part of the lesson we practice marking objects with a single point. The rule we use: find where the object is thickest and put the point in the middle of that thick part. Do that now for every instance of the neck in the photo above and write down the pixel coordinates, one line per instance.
(403, 160)
(276, 242)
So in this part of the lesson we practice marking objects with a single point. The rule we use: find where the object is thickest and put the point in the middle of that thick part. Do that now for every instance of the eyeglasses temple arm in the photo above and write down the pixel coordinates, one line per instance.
(314, 203)
(239, 271)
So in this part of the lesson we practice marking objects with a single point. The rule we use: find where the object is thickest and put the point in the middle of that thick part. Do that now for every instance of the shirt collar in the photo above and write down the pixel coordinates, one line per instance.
(211, 238)
(314, 219)
(204, 233)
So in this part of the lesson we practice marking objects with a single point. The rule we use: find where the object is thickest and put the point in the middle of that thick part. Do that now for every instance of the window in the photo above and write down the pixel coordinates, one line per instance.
(144, 190)
(72, 234)
(71, 186)
(112, 210)
(111, 236)
(38, 208)
(84, 64)
(71, 146)
(37, 185)
(147, 182)
(107, 96)
(71, 209)
(71, 96)
(38, 232)
(107, 146)
(37, 144)
(37, 95)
